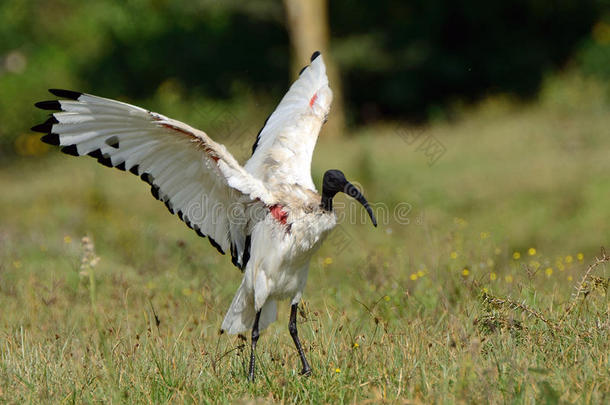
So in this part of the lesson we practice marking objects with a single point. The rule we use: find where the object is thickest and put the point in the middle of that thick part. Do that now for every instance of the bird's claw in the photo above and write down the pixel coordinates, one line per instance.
(306, 372)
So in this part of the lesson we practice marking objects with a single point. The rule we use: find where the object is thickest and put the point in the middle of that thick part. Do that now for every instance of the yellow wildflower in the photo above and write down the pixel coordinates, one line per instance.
(531, 251)
(508, 278)
(569, 278)
(569, 259)
(386, 298)
(516, 255)
(549, 271)
(460, 221)
(67, 239)
(187, 291)
(454, 255)
(484, 235)
(421, 273)
(465, 272)
(413, 276)
(580, 257)
(492, 276)
(356, 345)
(328, 260)
(337, 370)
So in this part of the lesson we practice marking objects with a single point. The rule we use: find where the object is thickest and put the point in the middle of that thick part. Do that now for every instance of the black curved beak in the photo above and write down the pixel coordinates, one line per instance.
(353, 192)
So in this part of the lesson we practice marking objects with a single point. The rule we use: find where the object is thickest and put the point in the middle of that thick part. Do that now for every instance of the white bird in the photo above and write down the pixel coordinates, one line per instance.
(267, 214)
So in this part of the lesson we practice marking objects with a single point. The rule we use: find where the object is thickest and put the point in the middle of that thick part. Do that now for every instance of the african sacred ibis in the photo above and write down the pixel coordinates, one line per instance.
(267, 214)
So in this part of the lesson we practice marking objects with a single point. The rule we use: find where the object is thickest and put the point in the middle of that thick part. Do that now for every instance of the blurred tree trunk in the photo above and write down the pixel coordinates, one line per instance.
(308, 27)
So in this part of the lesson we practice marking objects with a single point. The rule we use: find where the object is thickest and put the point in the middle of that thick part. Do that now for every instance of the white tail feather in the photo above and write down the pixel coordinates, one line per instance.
(241, 313)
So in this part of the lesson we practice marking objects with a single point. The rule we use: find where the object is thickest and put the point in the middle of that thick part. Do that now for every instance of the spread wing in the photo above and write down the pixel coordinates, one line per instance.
(284, 147)
(195, 177)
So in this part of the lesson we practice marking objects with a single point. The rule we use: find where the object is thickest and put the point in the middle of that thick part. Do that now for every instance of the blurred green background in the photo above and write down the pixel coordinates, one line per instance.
(189, 58)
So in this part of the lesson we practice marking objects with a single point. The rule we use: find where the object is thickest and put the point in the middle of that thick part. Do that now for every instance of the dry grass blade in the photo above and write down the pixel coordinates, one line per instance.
(603, 258)
(509, 303)
(55, 346)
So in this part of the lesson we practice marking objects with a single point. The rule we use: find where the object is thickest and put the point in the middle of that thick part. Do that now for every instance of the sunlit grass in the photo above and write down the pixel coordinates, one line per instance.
(484, 296)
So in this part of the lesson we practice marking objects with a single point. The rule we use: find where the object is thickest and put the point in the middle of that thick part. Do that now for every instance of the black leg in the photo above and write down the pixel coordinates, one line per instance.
(292, 327)
(253, 347)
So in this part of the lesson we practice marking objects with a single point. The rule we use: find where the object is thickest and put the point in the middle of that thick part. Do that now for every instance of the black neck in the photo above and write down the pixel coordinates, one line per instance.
(327, 202)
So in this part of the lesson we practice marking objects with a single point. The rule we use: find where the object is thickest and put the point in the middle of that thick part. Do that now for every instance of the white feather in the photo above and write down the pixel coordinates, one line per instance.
(285, 144)
(193, 174)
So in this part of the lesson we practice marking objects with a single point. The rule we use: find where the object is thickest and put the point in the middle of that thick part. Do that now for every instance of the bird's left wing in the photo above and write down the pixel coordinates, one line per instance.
(194, 176)
(284, 146)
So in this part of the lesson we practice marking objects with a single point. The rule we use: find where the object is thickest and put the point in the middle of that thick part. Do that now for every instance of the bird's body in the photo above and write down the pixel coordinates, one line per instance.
(267, 214)
(295, 228)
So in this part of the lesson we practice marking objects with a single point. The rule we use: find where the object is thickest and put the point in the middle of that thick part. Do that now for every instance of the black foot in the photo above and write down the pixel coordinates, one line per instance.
(292, 327)
(253, 347)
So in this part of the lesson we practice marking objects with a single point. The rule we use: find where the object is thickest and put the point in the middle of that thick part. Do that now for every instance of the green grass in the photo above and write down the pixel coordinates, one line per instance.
(512, 178)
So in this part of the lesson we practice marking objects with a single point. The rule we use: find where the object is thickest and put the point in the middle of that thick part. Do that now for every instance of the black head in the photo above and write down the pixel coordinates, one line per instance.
(333, 182)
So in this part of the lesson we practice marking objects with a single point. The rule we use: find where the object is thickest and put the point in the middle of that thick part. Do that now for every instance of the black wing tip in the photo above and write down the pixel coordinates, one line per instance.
(70, 150)
(43, 128)
(216, 245)
(51, 139)
(246, 255)
(154, 190)
(315, 55)
(52, 105)
(147, 177)
(46, 126)
(106, 161)
(169, 206)
(96, 154)
(73, 95)
(258, 136)
(113, 142)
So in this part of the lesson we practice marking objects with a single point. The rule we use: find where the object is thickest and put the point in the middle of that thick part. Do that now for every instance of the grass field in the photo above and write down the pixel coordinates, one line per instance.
(479, 294)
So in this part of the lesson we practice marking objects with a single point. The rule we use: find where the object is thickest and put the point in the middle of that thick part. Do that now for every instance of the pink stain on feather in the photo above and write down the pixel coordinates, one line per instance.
(212, 154)
(313, 99)
(278, 213)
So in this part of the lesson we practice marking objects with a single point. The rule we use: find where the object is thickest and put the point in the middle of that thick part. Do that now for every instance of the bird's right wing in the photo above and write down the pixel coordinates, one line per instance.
(194, 176)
